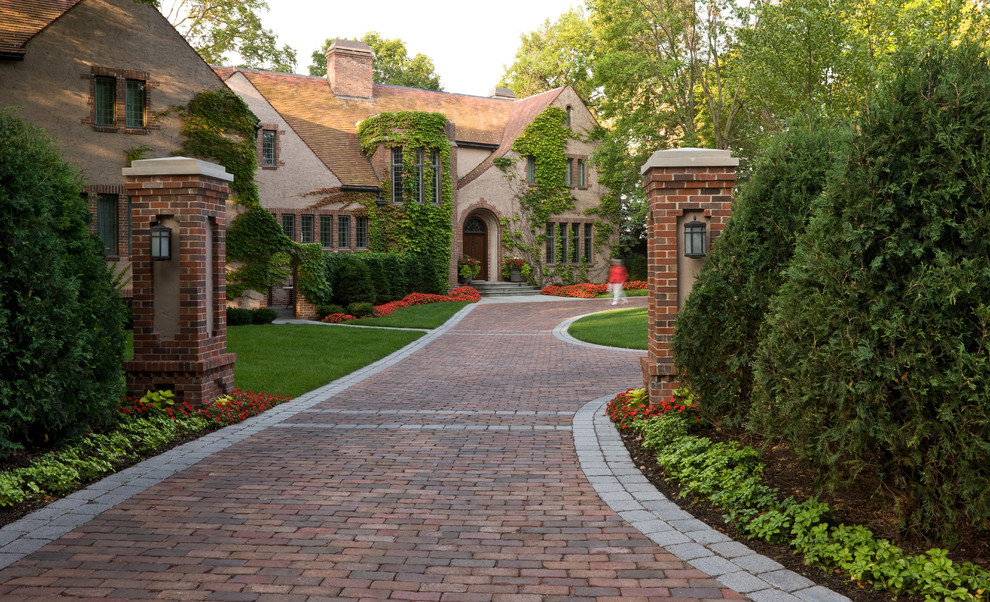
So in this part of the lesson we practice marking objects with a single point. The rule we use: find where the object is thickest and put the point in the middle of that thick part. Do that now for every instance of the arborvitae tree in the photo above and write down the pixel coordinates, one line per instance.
(875, 353)
(61, 321)
(717, 328)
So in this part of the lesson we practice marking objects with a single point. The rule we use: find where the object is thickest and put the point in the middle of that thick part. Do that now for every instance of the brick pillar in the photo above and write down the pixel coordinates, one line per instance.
(180, 319)
(682, 186)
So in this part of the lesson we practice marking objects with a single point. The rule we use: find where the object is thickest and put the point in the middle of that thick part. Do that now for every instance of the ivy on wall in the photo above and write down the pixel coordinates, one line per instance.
(218, 126)
(545, 139)
(411, 226)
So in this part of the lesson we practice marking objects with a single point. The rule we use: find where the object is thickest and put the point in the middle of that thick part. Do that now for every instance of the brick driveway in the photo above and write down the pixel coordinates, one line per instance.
(451, 474)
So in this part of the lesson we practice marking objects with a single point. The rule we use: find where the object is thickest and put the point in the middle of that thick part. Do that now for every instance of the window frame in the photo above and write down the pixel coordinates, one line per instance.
(436, 166)
(588, 240)
(531, 170)
(288, 221)
(361, 231)
(582, 173)
(108, 226)
(396, 170)
(135, 104)
(105, 101)
(551, 255)
(343, 232)
(569, 173)
(306, 231)
(326, 233)
(268, 141)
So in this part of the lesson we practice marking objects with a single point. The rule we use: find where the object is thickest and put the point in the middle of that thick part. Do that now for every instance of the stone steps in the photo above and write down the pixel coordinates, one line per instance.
(502, 289)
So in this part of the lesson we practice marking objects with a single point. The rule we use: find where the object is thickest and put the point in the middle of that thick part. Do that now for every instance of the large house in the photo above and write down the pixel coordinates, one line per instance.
(324, 179)
(99, 75)
(337, 165)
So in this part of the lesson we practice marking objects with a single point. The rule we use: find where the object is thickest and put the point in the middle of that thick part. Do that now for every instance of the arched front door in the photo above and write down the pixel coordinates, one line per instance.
(476, 243)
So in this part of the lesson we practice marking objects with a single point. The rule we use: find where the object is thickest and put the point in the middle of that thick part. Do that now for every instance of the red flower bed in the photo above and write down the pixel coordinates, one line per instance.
(634, 404)
(587, 290)
(229, 409)
(461, 293)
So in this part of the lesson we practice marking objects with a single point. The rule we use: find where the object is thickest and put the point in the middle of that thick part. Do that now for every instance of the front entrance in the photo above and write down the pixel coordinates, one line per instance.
(476, 243)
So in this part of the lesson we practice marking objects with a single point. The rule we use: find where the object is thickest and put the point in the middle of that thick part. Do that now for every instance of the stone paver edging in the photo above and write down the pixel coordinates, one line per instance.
(620, 484)
(601, 453)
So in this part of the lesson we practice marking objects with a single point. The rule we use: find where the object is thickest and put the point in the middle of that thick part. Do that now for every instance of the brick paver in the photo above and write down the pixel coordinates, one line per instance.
(450, 475)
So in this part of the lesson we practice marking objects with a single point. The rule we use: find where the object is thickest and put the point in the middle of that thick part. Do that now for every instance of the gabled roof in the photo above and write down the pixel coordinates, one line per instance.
(523, 113)
(21, 20)
(328, 124)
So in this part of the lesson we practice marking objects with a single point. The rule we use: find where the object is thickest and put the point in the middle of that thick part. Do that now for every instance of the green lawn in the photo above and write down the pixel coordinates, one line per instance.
(638, 292)
(430, 316)
(617, 328)
(291, 359)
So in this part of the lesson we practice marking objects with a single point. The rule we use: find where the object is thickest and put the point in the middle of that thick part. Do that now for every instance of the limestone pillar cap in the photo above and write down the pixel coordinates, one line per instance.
(690, 157)
(176, 166)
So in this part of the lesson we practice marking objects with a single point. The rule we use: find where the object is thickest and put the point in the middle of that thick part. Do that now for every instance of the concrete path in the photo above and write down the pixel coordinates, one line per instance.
(472, 465)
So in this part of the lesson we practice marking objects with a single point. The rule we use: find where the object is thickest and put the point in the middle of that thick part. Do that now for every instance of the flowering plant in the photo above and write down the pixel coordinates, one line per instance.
(468, 267)
(634, 404)
(461, 293)
(587, 290)
(229, 409)
(515, 263)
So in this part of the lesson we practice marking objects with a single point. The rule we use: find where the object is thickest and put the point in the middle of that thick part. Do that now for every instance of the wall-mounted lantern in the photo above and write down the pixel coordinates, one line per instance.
(161, 243)
(695, 243)
(380, 201)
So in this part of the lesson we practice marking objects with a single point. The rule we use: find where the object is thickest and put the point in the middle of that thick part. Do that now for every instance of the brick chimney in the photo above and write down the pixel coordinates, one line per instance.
(349, 69)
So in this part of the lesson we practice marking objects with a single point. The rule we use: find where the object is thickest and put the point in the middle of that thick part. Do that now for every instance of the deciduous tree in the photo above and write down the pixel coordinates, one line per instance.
(220, 30)
(392, 65)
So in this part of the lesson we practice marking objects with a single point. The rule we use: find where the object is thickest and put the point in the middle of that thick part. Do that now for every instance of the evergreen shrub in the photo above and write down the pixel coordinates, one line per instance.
(874, 357)
(717, 329)
(61, 321)
(263, 315)
(350, 278)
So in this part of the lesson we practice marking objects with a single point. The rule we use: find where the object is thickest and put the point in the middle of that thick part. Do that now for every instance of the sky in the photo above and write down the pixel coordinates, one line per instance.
(470, 42)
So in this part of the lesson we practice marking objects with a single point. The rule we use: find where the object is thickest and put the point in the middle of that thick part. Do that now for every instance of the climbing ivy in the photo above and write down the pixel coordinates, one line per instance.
(426, 227)
(545, 139)
(219, 126)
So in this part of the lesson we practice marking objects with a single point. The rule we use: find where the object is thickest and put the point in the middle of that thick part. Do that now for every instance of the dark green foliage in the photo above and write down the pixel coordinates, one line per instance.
(219, 127)
(323, 311)
(376, 265)
(351, 279)
(395, 275)
(413, 269)
(254, 240)
(360, 309)
(717, 329)
(61, 321)
(874, 357)
(238, 317)
(263, 315)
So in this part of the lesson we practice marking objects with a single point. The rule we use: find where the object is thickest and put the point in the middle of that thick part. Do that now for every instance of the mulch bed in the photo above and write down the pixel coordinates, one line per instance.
(854, 504)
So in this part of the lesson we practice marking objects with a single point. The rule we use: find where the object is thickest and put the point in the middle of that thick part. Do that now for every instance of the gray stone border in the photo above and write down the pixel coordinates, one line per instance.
(34, 531)
(619, 483)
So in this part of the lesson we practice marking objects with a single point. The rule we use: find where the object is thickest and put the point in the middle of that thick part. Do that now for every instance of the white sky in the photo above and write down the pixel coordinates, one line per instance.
(470, 42)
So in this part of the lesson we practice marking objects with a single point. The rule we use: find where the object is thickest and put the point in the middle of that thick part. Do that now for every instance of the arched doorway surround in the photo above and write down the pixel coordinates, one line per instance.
(475, 242)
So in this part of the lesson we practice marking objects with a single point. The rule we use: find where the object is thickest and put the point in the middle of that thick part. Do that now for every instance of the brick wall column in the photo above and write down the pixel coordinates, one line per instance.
(180, 319)
(681, 185)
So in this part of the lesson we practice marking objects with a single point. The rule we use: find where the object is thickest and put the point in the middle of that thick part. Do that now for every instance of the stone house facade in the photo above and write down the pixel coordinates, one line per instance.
(100, 77)
(323, 186)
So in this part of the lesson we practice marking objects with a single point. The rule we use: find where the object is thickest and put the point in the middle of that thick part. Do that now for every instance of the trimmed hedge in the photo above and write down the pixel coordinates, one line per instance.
(874, 357)
(381, 277)
(718, 327)
(61, 321)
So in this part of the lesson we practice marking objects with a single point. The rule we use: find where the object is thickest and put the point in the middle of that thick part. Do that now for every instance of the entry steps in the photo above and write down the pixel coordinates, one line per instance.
(502, 289)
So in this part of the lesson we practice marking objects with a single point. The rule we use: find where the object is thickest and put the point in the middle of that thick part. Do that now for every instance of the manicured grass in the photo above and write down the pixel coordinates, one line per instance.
(430, 315)
(291, 359)
(636, 292)
(617, 328)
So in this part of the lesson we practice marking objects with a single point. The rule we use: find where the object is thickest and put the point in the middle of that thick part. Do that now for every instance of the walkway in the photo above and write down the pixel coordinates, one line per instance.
(472, 465)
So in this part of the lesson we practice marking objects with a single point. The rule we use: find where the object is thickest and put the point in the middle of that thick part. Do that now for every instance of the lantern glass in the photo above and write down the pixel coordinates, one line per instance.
(695, 243)
(161, 243)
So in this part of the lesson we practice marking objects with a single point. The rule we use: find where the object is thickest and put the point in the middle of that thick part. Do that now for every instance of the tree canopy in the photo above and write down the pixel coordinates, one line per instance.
(220, 30)
(392, 65)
